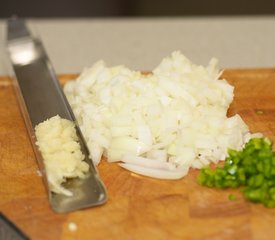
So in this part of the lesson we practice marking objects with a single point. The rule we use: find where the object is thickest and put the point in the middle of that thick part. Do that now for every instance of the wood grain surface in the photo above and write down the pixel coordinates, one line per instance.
(138, 207)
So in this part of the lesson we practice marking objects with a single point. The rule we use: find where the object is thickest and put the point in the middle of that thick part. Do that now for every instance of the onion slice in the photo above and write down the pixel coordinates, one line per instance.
(147, 162)
(155, 173)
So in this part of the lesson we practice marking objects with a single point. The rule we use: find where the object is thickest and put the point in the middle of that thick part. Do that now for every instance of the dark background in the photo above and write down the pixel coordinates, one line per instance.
(135, 8)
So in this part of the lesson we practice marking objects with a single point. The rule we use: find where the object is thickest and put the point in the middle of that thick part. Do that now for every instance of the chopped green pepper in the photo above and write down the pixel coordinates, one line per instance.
(253, 167)
(232, 197)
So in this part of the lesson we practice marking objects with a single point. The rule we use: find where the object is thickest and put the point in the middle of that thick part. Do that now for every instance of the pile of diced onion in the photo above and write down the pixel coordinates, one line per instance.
(159, 124)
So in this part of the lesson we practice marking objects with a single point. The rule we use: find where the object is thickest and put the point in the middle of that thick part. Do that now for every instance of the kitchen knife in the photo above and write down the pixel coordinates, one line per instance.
(40, 97)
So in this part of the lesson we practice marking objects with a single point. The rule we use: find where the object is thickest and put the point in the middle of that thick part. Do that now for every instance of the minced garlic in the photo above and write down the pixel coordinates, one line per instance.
(58, 143)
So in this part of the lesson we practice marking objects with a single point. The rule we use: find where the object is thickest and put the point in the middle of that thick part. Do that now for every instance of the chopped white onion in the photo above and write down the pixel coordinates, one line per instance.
(158, 124)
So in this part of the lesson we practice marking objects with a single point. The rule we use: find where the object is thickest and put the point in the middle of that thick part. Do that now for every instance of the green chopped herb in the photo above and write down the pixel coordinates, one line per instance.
(253, 168)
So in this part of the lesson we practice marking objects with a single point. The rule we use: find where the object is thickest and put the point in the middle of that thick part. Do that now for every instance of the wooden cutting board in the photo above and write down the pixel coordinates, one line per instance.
(138, 207)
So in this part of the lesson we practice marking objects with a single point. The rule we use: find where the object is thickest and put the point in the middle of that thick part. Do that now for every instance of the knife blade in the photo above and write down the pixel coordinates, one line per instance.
(40, 97)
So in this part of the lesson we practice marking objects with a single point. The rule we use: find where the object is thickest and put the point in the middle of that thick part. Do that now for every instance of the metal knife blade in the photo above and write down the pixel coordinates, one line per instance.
(40, 97)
